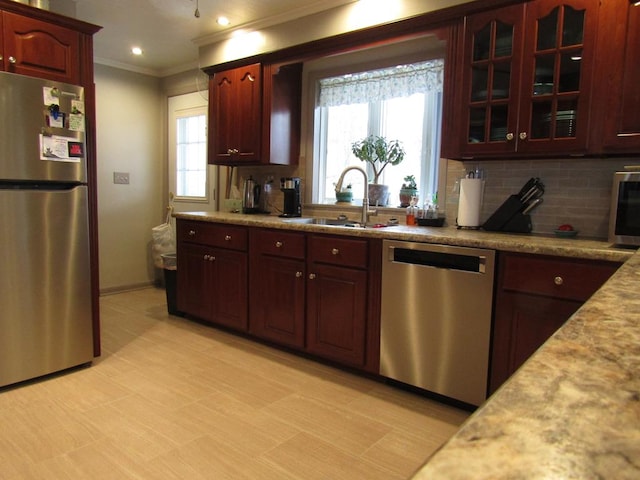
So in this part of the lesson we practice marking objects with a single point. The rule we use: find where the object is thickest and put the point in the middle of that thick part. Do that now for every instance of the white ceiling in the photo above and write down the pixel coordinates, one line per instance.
(166, 29)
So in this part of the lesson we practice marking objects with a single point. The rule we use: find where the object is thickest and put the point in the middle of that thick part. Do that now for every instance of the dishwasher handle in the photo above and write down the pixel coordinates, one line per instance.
(448, 261)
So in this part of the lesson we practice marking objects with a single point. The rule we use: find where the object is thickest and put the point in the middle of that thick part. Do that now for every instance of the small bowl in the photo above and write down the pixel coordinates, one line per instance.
(565, 233)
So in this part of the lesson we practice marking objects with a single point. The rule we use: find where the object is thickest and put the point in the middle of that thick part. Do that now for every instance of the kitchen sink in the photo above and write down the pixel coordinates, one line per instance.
(337, 222)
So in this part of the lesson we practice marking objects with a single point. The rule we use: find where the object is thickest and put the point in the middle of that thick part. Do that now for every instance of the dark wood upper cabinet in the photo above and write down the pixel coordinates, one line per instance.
(235, 112)
(526, 80)
(254, 114)
(40, 49)
(617, 94)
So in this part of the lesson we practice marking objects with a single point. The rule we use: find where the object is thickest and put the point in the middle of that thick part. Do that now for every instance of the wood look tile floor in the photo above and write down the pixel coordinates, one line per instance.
(174, 399)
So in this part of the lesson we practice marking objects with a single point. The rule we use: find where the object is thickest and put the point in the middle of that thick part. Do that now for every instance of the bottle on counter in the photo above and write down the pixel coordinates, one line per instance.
(412, 211)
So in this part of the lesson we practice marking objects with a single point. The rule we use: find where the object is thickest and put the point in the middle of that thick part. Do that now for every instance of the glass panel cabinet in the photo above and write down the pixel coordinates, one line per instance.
(526, 78)
(491, 62)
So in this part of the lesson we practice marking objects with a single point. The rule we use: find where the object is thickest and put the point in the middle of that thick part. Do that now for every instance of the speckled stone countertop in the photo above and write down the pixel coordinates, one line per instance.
(525, 243)
(571, 411)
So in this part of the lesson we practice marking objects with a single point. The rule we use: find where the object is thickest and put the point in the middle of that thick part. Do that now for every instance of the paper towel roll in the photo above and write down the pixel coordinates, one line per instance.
(471, 190)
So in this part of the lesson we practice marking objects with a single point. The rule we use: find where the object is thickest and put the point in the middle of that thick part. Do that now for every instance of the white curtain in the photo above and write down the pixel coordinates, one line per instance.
(383, 84)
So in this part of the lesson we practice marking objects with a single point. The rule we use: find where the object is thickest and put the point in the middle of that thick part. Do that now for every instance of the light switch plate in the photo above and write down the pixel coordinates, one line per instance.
(121, 178)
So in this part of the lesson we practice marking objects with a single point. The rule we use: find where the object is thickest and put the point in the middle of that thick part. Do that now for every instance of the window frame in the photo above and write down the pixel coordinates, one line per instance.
(186, 106)
(317, 167)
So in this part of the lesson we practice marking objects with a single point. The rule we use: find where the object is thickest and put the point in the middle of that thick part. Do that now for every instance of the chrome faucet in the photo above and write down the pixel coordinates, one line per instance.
(365, 201)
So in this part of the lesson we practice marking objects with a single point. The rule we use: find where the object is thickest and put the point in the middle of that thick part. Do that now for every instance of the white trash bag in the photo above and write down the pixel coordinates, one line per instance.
(163, 240)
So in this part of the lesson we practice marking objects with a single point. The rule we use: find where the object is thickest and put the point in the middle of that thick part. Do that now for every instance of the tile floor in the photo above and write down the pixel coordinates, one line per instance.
(173, 399)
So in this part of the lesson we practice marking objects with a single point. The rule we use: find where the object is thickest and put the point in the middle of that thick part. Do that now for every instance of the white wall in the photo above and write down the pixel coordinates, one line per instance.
(246, 42)
(130, 121)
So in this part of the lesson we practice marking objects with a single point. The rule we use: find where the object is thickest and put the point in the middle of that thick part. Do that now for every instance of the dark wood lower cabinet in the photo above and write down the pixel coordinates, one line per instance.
(277, 300)
(194, 280)
(316, 293)
(212, 273)
(337, 313)
(320, 293)
(535, 295)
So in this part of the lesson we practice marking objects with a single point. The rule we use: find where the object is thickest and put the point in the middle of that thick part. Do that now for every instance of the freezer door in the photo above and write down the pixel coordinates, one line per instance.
(45, 298)
(39, 140)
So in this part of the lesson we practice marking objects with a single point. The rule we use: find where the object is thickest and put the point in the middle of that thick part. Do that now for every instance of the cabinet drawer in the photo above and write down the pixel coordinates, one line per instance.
(571, 279)
(213, 235)
(278, 243)
(341, 251)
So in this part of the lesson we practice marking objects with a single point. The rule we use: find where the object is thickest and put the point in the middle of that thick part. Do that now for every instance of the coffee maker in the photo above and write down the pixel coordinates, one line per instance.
(290, 186)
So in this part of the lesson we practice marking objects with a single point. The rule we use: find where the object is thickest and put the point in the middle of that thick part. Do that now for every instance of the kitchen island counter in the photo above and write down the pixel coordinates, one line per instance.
(523, 243)
(571, 411)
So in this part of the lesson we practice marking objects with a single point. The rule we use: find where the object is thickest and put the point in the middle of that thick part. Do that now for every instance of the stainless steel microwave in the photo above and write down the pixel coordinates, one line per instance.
(624, 219)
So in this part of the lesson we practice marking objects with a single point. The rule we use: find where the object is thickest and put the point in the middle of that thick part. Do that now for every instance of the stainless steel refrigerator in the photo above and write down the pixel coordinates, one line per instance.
(45, 293)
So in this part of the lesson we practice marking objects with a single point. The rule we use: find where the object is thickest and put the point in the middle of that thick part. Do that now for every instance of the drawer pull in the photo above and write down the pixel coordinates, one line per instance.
(335, 251)
(227, 238)
(558, 280)
(312, 276)
(211, 258)
(279, 244)
(298, 274)
(206, 257)
(192, 233)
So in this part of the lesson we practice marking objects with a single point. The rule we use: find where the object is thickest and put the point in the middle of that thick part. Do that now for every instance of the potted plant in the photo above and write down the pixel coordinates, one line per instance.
(409, 189)
(379, 153)
(345, 195)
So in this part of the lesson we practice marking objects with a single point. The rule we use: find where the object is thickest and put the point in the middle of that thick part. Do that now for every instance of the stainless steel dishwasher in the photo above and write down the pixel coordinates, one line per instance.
(436, 317)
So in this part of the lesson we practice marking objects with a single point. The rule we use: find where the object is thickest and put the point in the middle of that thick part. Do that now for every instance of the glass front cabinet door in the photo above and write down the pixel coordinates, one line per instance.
(527, 78)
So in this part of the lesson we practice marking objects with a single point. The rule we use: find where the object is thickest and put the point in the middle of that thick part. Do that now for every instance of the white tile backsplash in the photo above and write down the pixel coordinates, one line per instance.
(577, 190)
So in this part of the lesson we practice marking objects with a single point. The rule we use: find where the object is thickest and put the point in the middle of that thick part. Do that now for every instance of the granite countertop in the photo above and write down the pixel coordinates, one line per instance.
(571, 411)
(524, 243)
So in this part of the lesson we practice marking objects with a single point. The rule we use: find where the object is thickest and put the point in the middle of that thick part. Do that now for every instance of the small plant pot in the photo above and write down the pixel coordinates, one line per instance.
(378, 194)
(406, 194)
(344, 196)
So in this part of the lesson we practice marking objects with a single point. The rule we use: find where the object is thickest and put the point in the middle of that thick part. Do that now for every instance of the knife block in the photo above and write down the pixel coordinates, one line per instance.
(509, 218)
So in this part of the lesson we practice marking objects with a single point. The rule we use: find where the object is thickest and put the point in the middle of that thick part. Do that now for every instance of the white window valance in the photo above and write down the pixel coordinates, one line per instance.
(383, 84)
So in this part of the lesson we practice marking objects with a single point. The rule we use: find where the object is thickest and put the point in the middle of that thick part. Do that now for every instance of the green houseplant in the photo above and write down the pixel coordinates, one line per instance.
(409, 189)
(345, 196)
(378, 152)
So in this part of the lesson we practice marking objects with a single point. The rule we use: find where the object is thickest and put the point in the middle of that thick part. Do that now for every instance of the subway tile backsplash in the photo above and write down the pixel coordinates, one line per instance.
(577, 191)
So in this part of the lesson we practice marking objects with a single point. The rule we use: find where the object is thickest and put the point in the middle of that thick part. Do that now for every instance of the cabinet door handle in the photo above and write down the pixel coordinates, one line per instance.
(335, 251)
(192, 233)
(206, 257)
(227, 238)
(298, 274)
(279, 244)
(509, 136)
(312, 276)
(523, 135)
(232, 151)
(1, 58)
(558, 280)
(12, 60)
(212, 258)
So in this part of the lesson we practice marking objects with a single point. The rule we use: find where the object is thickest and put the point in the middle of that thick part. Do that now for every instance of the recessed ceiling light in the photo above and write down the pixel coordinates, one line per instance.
(222, 21)
(136, 50)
